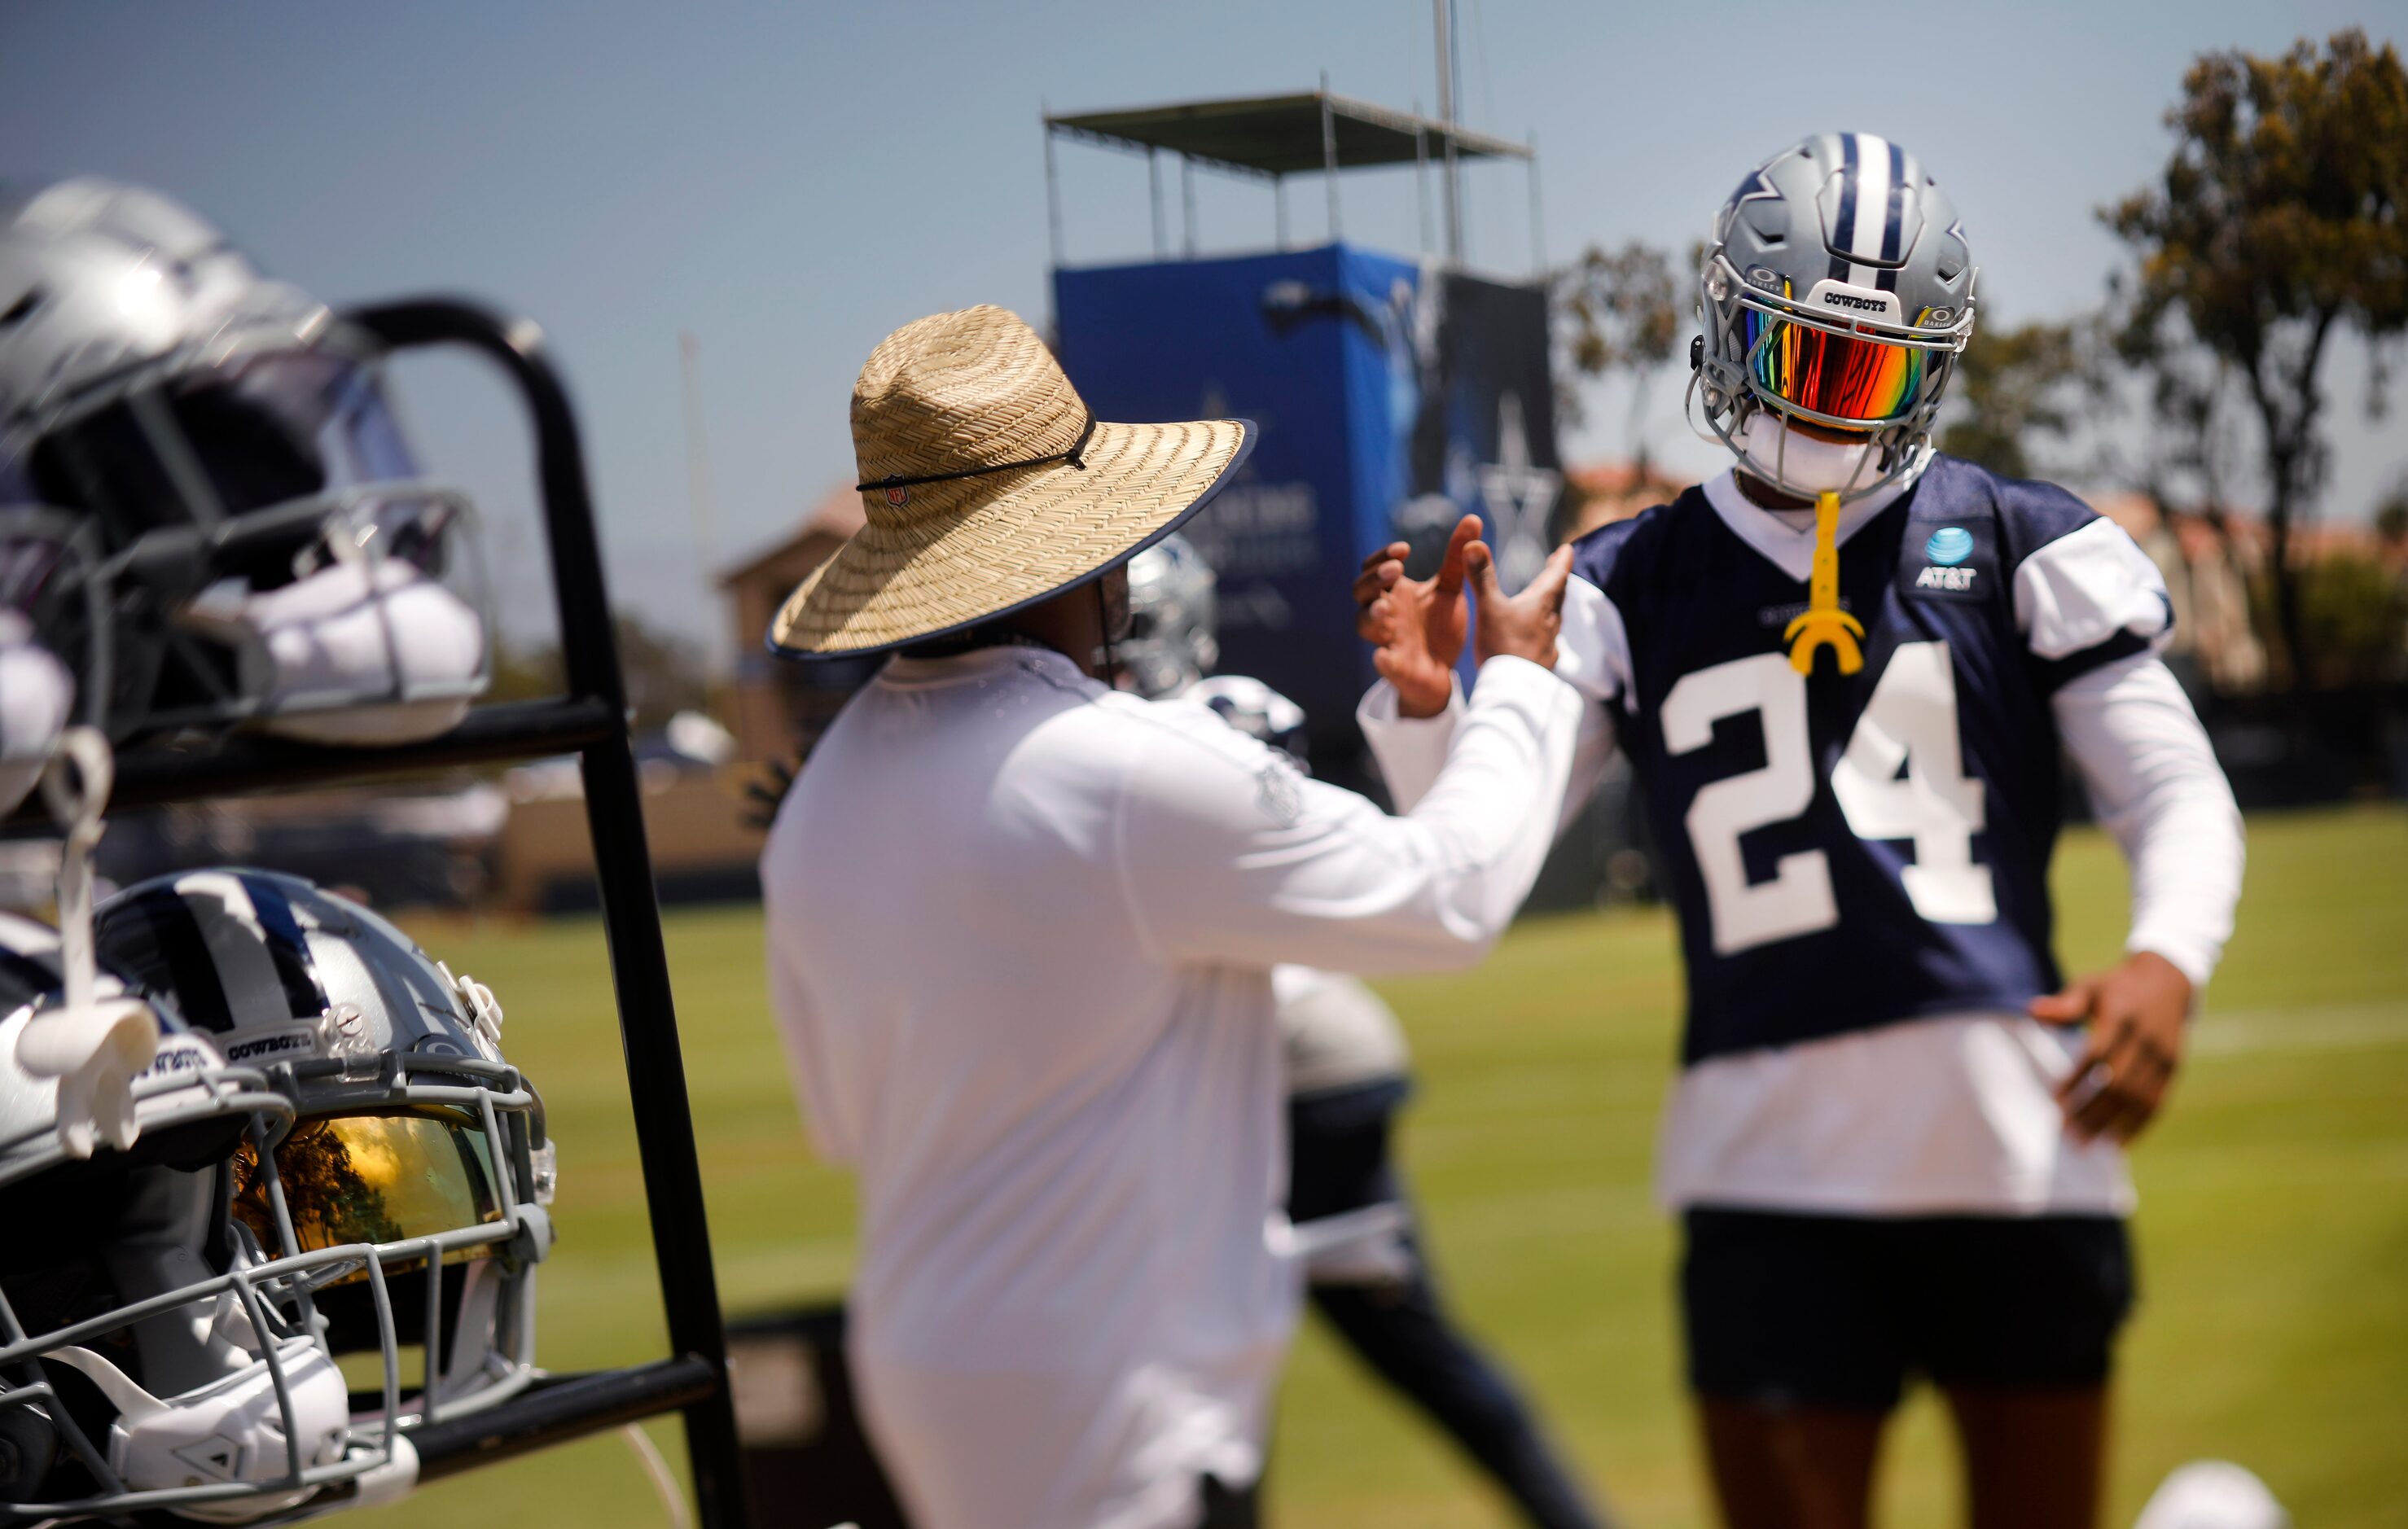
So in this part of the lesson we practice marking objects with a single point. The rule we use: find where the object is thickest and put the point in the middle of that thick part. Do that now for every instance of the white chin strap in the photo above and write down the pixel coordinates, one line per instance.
(96, 1046)
(229, 1430)
(1802, 464)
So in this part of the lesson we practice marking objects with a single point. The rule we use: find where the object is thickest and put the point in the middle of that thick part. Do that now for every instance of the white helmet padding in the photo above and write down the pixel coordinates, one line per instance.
(36, 698)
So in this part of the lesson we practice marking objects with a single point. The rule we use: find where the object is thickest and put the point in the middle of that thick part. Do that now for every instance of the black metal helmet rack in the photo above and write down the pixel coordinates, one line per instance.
(590, 719)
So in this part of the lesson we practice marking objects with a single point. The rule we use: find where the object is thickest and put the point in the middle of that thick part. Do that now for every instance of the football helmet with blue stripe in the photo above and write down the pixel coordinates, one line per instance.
(1837, 292)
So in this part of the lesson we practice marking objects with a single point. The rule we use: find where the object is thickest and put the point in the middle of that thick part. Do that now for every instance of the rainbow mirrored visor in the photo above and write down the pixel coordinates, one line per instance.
(1839, 377)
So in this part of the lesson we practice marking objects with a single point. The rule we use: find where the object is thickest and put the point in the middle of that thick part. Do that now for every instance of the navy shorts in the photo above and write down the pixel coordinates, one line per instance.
(1785, 1309)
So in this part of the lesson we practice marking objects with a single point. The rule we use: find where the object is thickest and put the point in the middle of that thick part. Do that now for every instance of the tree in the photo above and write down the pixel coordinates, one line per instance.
(1621, 312)
(2392, 520)
(2278, 223)
(2356, 619)
(2191, 452)
(2014, 387)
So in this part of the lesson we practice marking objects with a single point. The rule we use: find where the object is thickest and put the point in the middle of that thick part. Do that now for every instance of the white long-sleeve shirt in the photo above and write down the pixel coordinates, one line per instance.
(1020, 932)
(1952, 1113)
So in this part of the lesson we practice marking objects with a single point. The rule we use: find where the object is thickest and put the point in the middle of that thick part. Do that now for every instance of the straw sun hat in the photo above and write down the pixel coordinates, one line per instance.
(987, 486)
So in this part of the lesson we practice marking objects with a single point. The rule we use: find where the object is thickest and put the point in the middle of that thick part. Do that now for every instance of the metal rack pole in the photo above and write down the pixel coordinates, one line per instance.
(1053, 192)
(1329, 155)
(631, 917)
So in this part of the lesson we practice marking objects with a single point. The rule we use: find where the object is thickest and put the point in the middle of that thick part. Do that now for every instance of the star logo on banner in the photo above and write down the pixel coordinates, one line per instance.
(1519, 498)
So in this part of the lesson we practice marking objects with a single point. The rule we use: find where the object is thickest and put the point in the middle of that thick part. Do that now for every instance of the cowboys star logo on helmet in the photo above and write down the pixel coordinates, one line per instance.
(207, 507)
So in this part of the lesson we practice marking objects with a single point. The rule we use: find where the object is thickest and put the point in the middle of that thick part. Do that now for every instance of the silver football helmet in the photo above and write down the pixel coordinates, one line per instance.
(152, 1355)
(206, 503)
(1174, 620)
(1174, 643)
(1838, 290)
(1254, 709)
(414, 1135)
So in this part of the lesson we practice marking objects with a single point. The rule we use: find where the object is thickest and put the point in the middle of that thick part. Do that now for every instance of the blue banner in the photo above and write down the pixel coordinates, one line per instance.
(1390, 400)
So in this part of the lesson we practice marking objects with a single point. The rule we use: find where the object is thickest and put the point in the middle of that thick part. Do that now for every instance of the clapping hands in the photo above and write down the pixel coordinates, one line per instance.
(1416, 626)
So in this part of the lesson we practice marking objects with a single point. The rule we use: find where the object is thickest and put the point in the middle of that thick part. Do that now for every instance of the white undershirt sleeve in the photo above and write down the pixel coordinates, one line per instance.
(1232, 856)
(2156, 787)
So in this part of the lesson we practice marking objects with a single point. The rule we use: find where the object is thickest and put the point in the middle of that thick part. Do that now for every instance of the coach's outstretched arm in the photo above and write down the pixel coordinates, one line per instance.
(1232, 855)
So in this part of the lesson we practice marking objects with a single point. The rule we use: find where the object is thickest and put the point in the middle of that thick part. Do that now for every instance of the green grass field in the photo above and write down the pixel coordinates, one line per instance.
(2273, 1229)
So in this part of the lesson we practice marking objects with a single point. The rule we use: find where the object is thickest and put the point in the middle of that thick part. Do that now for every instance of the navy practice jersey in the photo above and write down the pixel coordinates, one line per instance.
(1849, 851)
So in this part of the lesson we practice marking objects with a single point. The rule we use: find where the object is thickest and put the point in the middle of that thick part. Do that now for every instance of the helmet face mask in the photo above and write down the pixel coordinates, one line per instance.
(262, 546)
(1836, 292)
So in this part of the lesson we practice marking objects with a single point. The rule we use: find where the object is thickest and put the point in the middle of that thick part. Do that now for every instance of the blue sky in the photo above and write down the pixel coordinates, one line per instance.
(790, 183)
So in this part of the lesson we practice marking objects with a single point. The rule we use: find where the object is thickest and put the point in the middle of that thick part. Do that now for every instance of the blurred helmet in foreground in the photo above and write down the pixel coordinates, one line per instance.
(207, 506)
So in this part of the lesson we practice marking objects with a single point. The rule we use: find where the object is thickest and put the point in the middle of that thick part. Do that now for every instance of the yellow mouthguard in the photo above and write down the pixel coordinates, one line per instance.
(1823, 623)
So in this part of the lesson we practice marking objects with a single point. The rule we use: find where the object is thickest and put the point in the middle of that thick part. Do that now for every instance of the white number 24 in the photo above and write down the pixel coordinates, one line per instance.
(1911, 720)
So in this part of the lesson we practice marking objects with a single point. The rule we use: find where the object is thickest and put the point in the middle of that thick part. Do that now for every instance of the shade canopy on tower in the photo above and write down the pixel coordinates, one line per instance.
(1285, 135)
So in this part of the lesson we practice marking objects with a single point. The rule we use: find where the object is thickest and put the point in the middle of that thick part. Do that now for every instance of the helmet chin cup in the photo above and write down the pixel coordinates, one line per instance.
(228, 1433)
(1800, 464)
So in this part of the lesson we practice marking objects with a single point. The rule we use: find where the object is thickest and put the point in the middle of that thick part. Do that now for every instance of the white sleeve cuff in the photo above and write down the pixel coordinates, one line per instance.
(1505, 680)
(2195, 959)
(1410, 751)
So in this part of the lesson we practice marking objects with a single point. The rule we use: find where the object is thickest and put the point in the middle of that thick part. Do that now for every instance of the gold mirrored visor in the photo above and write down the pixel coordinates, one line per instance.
(378, 1178)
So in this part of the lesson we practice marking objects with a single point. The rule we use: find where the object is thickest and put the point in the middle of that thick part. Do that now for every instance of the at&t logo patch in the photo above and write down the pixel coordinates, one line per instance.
(1945, 578)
